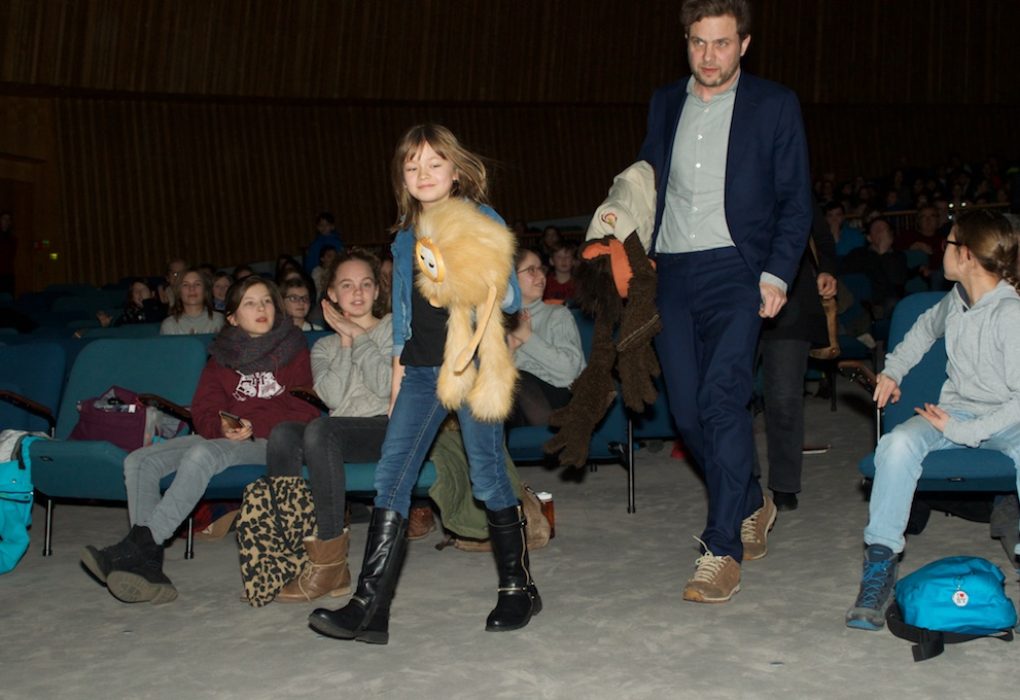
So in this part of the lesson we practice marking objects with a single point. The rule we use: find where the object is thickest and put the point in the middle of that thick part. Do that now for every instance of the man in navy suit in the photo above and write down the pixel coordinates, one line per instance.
(732, 218)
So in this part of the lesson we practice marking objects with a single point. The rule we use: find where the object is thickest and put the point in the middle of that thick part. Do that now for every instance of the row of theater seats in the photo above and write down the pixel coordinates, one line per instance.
(57, 375)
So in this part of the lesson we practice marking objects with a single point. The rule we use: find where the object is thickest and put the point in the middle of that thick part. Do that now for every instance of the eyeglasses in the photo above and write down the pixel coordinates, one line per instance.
(533, 270)
(295, 299)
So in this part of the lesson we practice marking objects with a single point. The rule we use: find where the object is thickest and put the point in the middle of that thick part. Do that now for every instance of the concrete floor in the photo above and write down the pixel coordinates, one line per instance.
(614, 625)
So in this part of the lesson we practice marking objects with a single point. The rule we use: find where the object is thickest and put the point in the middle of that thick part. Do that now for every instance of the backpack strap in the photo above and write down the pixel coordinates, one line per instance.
(930, 643)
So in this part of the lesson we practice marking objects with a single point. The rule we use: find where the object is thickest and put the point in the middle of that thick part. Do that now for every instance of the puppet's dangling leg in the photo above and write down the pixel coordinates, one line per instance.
(492, 397)
(453, 387)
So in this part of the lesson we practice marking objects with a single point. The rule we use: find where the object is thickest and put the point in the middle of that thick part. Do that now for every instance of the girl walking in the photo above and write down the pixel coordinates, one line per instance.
(429, 167)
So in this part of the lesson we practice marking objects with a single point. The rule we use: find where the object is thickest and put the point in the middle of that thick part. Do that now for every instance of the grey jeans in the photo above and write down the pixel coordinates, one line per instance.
(196, 460)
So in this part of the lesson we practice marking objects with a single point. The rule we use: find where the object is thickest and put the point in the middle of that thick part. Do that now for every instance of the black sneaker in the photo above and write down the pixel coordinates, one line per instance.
(125, 554)
(145, 581)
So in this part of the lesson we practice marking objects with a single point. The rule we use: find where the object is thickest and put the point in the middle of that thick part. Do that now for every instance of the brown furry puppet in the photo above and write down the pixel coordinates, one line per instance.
(465, 259)
(617, 284)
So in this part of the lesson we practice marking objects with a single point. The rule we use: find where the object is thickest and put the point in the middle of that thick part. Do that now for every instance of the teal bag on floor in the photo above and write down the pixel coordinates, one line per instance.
(16, 494)
(951, 600)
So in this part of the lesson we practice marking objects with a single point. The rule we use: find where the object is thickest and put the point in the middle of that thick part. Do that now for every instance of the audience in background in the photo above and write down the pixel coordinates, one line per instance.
(297, 301)
(846, 236)
(192, 311)
(174, 269)
(560, 283)
(285, 268)
(141, 306)
(546, 346)
(327, 237)
(885, 268)
(320, 273)
(221, 282)
(551, 237)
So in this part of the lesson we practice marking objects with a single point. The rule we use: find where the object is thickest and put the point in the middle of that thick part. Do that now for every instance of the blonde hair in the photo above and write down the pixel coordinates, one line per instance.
(471, 179)
(990, 238)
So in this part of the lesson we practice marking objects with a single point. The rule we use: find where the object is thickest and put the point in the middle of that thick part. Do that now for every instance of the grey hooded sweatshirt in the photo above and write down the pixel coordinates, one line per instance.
(983, 368)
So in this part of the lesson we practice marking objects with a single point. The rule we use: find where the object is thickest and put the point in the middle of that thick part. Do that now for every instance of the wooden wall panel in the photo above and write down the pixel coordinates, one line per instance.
(29, 170)
(850, 140)
(147, 180)
(592, 51)
(218, 129)
(502, 50)
(890, 52)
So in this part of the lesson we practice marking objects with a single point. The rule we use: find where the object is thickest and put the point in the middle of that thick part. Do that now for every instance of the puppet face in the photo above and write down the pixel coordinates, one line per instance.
(430, 260)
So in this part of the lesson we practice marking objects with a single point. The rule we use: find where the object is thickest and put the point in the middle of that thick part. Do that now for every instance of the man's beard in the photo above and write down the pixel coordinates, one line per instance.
(721, 80)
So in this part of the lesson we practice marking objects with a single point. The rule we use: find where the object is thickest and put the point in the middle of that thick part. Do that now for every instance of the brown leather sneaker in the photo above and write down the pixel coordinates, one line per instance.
(715, 581)
(754, 531)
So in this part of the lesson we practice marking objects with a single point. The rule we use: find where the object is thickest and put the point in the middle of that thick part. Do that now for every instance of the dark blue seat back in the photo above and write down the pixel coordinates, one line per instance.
(35, 371)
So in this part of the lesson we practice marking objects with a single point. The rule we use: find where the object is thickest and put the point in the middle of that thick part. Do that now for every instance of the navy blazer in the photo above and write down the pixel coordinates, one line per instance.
(768, 197)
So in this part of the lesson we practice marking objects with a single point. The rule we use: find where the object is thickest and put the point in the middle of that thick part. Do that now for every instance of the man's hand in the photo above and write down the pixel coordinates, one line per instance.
(885, 390)
(826, 285)
(772, 300)
(934, 415)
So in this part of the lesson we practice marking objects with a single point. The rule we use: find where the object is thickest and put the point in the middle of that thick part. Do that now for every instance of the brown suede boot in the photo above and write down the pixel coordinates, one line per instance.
(327, 571)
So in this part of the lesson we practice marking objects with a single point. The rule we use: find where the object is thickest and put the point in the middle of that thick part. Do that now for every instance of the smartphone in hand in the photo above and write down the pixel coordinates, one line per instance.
(231, 420)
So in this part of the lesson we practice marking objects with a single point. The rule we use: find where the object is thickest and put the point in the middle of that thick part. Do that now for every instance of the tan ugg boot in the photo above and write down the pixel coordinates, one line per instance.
(327, 571)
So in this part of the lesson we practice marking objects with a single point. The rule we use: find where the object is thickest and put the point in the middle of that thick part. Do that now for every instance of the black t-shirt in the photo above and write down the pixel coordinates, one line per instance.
(428, 333)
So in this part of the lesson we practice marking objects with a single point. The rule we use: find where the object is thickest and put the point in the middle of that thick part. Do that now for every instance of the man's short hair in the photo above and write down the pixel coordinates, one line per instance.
(697, 10)
(327, 217)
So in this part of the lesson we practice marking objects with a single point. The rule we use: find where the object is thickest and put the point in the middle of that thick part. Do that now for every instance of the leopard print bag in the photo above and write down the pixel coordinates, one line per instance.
(277, 513)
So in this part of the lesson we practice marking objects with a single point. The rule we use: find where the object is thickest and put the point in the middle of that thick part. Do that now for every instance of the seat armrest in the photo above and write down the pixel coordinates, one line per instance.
(859, 373)
(166, 406)
(307, 393)
(29, 405)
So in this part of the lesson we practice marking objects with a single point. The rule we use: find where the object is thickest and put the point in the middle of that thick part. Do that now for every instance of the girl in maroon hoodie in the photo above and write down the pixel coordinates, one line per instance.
(254, 360)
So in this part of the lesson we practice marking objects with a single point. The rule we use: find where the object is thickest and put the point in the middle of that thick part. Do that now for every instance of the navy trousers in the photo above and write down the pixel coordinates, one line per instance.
(709, 304)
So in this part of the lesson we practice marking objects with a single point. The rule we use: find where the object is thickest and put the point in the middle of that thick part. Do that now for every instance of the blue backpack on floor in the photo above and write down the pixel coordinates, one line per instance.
(951, 600)
(16, 495)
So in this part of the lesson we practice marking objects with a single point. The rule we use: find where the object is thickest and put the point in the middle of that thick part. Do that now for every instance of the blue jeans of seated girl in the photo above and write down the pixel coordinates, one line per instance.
(413, 425)
(898, 461)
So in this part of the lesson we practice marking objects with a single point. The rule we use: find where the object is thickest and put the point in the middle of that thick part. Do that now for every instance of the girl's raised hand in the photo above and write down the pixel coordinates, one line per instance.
(522, 333)
(886, 390)
(338, 322)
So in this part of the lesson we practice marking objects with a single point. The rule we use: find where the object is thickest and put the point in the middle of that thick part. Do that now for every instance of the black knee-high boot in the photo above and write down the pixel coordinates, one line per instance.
(366, 617)
(518, 595)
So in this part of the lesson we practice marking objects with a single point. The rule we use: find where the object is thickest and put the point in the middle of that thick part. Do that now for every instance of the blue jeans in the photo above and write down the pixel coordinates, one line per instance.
(898, 467)
(413, 425)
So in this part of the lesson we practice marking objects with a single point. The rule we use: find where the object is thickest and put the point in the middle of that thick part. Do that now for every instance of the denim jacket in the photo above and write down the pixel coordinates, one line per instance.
(403, 279)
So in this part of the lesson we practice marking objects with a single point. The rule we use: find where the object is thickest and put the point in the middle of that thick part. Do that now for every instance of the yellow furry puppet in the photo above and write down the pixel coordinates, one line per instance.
(465, 259)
